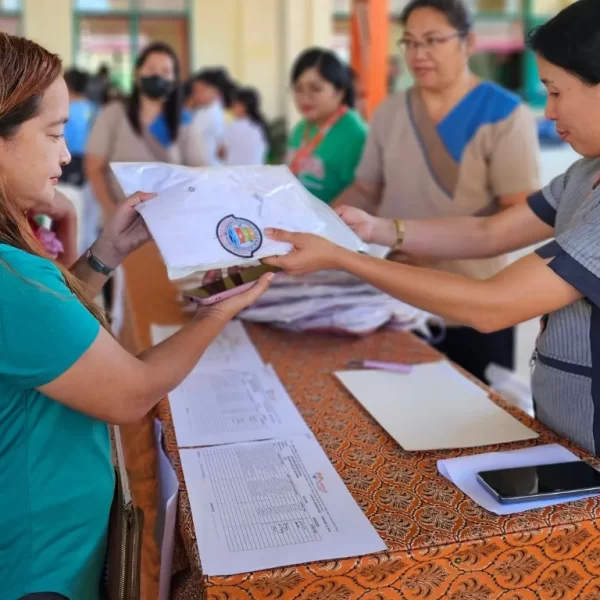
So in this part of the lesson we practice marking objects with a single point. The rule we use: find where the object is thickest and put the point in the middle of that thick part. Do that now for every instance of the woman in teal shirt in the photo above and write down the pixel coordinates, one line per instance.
(62, 375)
(326, 146)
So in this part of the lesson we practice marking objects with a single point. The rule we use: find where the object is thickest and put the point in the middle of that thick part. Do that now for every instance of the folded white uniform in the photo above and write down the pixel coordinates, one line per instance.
(207, 219)
(336, 302)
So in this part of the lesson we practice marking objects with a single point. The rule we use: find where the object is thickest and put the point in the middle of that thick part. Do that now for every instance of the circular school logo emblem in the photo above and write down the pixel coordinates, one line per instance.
(239, 236)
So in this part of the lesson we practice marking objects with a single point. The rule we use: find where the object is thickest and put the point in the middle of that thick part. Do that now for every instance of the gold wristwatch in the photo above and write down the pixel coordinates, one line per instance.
(399, 223)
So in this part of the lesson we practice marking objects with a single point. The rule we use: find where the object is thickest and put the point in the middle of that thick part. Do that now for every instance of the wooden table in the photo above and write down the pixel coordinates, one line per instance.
(441, 545)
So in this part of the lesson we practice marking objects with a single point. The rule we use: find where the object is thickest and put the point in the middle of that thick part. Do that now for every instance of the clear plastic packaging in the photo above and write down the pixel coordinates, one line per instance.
(209, 219)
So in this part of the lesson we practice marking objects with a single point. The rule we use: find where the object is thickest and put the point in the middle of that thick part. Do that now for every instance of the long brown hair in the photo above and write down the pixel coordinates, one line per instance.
(27, 72)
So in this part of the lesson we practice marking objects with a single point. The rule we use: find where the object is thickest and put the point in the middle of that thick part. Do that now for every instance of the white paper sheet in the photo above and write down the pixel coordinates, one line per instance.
(233, 348)
(462, 471)
(223, 407)
(435, 407)
(269, 504)
(166, 518)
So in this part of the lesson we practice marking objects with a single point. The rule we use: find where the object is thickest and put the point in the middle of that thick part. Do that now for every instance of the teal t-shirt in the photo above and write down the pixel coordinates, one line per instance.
(330, 168)
(56, 476)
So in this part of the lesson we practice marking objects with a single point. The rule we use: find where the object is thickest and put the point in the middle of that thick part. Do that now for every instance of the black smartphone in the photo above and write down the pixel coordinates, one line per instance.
(524, 484)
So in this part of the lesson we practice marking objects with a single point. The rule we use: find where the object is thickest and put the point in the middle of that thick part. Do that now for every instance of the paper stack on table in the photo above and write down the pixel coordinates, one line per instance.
(462, 471)
(434, 407)
(336, 302)
(274, 500)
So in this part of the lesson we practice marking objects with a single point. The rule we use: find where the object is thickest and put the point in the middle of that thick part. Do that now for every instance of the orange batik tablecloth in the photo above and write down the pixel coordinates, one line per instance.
(441, 544)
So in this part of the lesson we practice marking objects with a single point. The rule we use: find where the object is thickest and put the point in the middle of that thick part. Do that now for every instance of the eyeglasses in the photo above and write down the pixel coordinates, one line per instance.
(429, 44)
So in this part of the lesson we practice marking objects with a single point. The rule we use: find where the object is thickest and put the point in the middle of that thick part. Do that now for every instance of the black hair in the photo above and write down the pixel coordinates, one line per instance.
(173, 105)
(14, 118)
(104, 69)
(218, 78)
(571, 40)
(76, 81)
(456, 11)
(186, 90)
(330, 68)
(250, 98)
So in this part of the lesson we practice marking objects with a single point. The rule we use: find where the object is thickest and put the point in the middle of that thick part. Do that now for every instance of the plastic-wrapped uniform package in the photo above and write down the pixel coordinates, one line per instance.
(208, 221)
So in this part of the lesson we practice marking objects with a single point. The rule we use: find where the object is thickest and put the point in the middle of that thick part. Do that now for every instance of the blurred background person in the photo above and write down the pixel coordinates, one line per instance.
(151, 126)
(452, 145)
(98, 85)
(360, 106)
(58, 238)
(211, 95)
(227, 89)
(325, 147)
(77, 129)
(394, 74)
(246, 139)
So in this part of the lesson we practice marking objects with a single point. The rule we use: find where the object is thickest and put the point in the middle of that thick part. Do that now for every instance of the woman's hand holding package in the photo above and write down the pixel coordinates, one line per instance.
(310, 253)
(124, 233)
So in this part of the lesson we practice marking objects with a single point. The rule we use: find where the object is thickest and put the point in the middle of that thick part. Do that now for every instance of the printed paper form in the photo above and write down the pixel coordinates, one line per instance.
(264, 505)
(435, 407)
(223, 407)
(232, 349)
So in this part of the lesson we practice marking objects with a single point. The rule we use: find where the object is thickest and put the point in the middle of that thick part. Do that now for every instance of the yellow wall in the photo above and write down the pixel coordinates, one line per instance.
(256, 40)
(49, 22)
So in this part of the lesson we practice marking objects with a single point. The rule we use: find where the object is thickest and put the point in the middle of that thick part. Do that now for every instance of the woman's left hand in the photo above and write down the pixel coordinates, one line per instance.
(124, 232)
(311, 253)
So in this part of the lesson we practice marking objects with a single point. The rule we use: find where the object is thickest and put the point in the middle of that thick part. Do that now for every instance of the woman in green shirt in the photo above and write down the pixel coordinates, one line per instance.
(62, 375)
(326, 146)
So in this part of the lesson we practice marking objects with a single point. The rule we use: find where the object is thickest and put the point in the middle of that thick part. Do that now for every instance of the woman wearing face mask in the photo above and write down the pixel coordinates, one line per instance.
(151, 127)
(63, 377)
(560, 281)
(326, 146)
(452, 145)
(246, 139)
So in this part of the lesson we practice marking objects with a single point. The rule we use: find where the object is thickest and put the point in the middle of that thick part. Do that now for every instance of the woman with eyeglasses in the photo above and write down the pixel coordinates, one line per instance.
(559, 282)
(452, 145)
(326, 146)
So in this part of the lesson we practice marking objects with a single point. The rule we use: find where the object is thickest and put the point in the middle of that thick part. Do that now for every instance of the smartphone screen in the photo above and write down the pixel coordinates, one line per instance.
(544, 480)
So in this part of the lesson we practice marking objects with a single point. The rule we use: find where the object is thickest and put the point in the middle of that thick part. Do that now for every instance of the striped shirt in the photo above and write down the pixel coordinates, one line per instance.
(565, 386)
